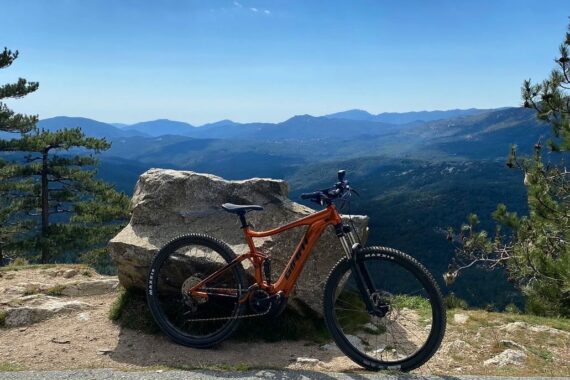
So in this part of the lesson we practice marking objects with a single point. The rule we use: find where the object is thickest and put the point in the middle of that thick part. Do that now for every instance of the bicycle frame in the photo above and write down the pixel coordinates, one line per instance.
(316, 223)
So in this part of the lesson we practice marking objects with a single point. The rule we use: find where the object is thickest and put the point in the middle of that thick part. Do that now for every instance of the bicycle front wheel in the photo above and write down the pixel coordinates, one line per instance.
(181, 265)
(407, 323)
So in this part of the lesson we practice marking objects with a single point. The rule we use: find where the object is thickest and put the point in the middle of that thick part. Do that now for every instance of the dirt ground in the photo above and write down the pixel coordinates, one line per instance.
(88, 339)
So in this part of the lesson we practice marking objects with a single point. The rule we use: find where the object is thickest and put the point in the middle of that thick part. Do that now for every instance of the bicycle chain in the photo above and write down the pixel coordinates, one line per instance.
(236, 317)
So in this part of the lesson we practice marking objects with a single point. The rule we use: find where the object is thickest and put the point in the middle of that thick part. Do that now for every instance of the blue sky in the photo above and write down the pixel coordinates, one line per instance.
(266, 60)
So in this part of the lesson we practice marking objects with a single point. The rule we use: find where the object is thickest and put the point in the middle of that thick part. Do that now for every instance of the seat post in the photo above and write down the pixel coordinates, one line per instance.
(242, 220)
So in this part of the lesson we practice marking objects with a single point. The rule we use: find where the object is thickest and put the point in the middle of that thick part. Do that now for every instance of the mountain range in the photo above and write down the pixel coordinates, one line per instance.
(404, 117)
(472, 134)
(231, 129)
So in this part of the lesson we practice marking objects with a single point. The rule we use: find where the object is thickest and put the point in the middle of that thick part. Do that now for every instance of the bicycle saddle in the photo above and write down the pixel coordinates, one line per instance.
(240, 209)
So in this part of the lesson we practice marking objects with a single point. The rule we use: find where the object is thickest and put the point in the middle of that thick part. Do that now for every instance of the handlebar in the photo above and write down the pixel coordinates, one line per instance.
(310, 195)
(326, 196)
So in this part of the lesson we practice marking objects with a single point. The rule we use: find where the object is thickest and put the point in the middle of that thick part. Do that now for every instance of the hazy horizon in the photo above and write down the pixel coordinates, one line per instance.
(111, 122)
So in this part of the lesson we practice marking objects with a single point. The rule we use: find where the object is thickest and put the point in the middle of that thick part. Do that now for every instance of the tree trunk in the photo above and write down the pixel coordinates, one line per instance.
(45, 208)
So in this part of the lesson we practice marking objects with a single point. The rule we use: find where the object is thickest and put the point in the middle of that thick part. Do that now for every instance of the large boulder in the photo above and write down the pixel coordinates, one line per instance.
(170, 203)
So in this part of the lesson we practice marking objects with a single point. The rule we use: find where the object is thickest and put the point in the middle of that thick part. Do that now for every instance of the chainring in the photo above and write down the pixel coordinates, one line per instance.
(259, 301)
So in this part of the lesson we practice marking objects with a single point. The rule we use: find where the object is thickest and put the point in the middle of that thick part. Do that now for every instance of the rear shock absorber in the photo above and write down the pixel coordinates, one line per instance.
(267, 270)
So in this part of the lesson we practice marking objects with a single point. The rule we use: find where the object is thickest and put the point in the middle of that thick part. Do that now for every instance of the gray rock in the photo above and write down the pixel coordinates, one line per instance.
(38, 307)
(507, 357)
(169, 203)
(90, 287)
(303, 360)
(70, 273)
(512, 344)
(460, 319)
(518, 325)
(456, 346)
(354, 340)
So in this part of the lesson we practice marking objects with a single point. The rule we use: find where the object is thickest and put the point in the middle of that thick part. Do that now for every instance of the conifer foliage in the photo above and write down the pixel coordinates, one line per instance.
(536, 253)
(9, 120)
(54, 208)
(12, 122)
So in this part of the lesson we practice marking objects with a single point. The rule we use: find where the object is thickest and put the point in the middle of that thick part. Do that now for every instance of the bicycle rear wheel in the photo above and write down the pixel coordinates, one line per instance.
(182, 264)
(408, 322)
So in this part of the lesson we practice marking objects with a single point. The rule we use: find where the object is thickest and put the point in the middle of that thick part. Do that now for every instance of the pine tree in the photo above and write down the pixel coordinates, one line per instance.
(73, 211)
(537, 253)
(13, 123)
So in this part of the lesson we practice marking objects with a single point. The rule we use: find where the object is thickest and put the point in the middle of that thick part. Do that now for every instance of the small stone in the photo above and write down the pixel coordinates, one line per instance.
(512, 344)
(355, 341)
(22, 329)
(507, 357)
(264, 374)
(9, 276)
(460, 319)
(70, 273)
(83, 317)
(371, 327)
(456, 346)
(104, 351)
(307, 360)
(59, 340)
(329, 347)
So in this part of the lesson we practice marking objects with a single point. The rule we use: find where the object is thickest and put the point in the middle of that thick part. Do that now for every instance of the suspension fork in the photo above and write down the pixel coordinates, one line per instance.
(351, 246)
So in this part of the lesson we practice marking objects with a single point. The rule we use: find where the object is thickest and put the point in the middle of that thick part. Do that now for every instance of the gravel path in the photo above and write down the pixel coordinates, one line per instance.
(109, 374)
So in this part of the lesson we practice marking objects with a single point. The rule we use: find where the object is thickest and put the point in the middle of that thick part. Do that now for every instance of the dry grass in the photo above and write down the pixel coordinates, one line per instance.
(548, 353)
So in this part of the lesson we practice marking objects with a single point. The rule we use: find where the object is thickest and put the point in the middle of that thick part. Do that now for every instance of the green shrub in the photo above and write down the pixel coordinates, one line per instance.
(31, 289)
(512, 308)
(55, 290)
(100, 260)
(451, 301)
(19, 262)
(130, 310)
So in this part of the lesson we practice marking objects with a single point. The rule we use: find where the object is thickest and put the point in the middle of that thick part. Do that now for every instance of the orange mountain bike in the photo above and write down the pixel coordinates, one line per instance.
(382, 308)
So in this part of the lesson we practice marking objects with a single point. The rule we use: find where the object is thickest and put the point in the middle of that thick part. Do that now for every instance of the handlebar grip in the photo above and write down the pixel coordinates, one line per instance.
(310, 195)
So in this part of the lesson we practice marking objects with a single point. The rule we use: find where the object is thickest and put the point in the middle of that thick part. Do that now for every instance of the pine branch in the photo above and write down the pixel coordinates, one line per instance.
(18, 89)
(7, 57)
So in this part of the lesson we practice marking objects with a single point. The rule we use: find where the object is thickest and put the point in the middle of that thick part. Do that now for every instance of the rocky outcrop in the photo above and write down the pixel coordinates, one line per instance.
(38, 307)
(30, 296)
(518, 326)
(169, 203)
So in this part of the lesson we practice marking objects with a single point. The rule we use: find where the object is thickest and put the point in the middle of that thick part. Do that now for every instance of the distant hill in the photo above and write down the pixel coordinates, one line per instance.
(221, 123)
(89, 126)
(119, 125)
(405, 117)
(162, 127)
